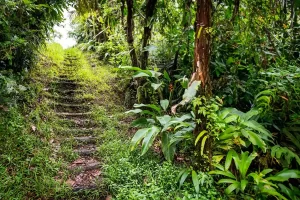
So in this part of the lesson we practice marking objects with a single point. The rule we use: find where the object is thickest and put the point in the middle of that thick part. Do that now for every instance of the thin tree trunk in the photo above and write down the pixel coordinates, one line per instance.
(202, 45)
(130, 28)
(150, 8)
(236, 9)
(201, 67)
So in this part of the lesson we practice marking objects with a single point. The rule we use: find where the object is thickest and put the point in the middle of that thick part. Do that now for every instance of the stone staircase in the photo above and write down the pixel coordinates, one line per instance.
(77, 127)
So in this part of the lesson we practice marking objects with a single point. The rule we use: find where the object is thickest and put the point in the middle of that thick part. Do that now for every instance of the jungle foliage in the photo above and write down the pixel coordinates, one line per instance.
(213, 84)
(25, 25)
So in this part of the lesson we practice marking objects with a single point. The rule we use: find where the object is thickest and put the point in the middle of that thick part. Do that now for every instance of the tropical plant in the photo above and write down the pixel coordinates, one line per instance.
(241, 181)
(243, 129)
(171, 130)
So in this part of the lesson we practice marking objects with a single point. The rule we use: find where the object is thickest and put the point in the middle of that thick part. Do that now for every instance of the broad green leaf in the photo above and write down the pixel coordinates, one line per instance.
(139, 135)
(190, 92)
(183, 124)
(232, 187)
(199, 136)
(224, 173)
(152, 106)
(135, 111)
(27, 2)
(167, 149)
(154, 74)
(140, 74)
(147, 112)
(285, 175)
(231, 118)
(258, 127)
(254, 138)
(224, 112)
(140, 122)
(243, 184)
(130, 68)
(229, 159)
(149, 138)
(184, 175)
(195, 181)
(271, 191)
(163, 120)
(203, 144)
(176, 120)
(166, 76)
(218, 158)
(164, 104)
(266, 171)
(155, 86)
(228, 133)
(226, 181)
(245, 162)
(255, 177)
(266, 92)
(248, 115)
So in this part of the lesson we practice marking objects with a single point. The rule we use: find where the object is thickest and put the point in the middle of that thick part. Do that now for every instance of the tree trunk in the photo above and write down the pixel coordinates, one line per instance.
(236, 9)
(201, 70)
(130, 28)
(202, 45)
(150, 8)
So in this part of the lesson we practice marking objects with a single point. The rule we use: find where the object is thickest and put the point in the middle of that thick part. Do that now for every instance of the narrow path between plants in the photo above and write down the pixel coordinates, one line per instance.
(76, 139)
(85, 170)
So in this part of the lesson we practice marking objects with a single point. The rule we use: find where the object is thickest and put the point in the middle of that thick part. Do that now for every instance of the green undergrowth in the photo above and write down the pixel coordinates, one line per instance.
(127, 175)
(27, 165)
(30, 167)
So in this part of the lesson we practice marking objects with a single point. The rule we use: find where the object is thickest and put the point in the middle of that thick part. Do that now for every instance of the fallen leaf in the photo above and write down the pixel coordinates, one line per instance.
(33, 128)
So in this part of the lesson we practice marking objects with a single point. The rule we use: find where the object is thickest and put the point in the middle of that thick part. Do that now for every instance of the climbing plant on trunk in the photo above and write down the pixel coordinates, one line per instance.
(201, 62)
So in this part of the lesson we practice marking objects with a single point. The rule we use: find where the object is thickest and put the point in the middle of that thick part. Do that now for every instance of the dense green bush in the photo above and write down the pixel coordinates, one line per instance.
(24, 26)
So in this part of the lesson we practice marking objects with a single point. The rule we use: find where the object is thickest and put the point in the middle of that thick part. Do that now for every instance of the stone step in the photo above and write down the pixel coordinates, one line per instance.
(84, 139)
(65, 82)
(70, 108)
(78, 123)
(68, 99)
(68, 114)
(86, 150)
(84, 164)
(67, 92)
(64, 79)
(78, 132)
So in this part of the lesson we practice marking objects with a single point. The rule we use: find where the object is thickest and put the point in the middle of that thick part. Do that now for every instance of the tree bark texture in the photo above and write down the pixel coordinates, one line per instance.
(202, 45)
(130, 28)
(150, 9)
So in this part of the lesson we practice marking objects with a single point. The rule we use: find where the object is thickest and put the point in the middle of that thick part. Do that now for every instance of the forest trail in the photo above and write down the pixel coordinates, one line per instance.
(77, 129)
(76, 113)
